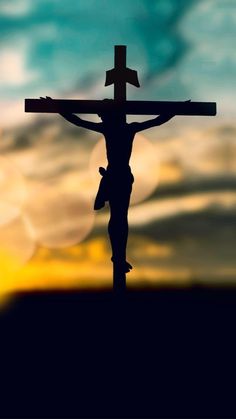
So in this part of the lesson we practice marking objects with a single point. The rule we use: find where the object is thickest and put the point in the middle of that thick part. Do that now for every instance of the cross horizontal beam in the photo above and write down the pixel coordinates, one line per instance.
(131, 107)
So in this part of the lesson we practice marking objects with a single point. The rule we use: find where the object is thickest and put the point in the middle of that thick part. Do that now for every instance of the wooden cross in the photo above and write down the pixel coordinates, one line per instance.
(119, 76)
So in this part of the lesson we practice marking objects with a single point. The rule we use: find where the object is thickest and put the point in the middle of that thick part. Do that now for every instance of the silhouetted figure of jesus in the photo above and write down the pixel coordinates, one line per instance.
(117, 179)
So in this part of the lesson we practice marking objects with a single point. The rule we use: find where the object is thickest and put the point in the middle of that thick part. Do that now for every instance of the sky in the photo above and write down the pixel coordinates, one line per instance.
(182, 215)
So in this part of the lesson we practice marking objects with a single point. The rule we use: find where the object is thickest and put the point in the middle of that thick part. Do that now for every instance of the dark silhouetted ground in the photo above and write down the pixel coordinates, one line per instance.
(168, 353)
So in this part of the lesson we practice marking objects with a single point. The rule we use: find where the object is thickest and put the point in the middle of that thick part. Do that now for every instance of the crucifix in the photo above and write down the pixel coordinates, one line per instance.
(117, 179)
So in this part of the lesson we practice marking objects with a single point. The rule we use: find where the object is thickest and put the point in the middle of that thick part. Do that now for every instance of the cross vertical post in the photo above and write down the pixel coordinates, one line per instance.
(119, 278)
(120, 66)
(119, 76)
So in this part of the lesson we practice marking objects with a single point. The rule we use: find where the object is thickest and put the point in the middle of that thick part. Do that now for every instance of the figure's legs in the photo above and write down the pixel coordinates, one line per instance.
(118, 231)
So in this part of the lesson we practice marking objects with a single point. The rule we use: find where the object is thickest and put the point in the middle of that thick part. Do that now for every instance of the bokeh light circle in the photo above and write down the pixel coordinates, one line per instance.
(16, 245)
(12, 191)
(144, 164)
(57, 218)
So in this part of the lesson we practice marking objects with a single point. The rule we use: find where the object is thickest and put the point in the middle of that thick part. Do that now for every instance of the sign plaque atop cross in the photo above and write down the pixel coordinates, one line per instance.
(119, 106)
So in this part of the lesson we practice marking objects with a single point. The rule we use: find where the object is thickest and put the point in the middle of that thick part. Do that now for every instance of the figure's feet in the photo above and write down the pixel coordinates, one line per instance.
(123, 266)
(128, 267)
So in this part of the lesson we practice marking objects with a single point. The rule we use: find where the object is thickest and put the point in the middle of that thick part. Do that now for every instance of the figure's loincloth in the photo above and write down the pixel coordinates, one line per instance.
(115, 184)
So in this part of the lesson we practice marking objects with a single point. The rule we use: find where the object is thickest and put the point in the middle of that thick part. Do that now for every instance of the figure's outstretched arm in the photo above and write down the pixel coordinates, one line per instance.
(159, 120)
(74, 119)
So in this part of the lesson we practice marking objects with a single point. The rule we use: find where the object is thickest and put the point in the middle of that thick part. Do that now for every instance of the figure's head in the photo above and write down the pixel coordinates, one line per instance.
(105, 116)
(110, 115)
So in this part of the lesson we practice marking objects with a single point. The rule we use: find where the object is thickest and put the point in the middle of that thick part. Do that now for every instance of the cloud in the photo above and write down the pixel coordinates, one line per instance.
(159, 210)
(13, 70)
(15, 8)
